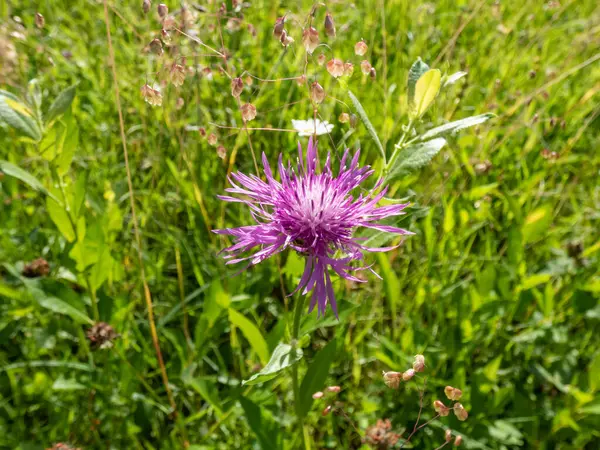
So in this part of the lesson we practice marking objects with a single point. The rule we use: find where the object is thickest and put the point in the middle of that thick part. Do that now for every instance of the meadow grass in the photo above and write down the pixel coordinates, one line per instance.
(498, 288)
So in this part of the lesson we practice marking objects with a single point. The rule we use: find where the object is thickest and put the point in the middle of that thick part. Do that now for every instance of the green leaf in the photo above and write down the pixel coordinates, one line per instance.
(315, 377)
(426, 90)
(60, 218)
(70, 143)
(208, 391)
(62, 384)
(390, 282)
(536, 224)
(266, 431)
(416, 71)
(101, 269)
(18, 115)
(59, 306)
(20, 174)
(61, 103)
(283, 356)
(252, 333)
(451, 79)
(456, 126)
(415, 156)
(363, 116)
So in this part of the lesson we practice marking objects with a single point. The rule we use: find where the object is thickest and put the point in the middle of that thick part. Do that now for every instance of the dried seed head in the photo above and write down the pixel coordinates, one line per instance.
(440, 408)
(344, 118)
(326, 411)
(329, 25)
(408, 374)
(286, 39)
(317, 395)
(222, 153)
(321, 59)
(310, 39)
(278, 28)
(146, 5)
(202, 131)
(177, 74)
(36, 268)
(212, 139)
(365, 67)
(248, 112)
(164, 34)
(360, 48)
(101, 335)
(448, 435)
(392, 379)
(457, 441)
(151, 96)
(353, 120)
(237, 86)
(156, 47)
(334, 389)
(169, 23)
(460, 412)
(419, 363)
(452, 393)
(180, 103)
(162, 10)
(348, 69)
(301, 80)
(39, 20)
(372, 73)
(335, 67)
(317, 93)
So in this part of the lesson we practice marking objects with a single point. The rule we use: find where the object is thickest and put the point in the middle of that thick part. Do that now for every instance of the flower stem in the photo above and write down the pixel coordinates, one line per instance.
(299, 307)
(399, 146)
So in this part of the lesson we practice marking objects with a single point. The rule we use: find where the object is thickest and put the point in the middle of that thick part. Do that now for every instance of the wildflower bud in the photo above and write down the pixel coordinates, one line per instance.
(344, 118)
(452, 393)
(448, 435)
(39, 20)
(164, 34)
(329, 25)
(101, 335)
(392, 379)
(372, 73)
(278, 28)
(212, 139)
(353, 120)
(162, 10)
(457, 441)
(221, 152)
(360, 48)
(146, 5)
(321, 59)
(348, 69)
(335, 67)
(419, 363)
(237, 86)
(248, 112)
(317, 94)
(36, 268)
(334, 389)
(326, 411)
(532, 74)
(310, 39)
(440, 408)
(365, 67)
(317, 395)
(460, 412)
(406, 376)
(301, 80)
(177, 74)
(156, 47)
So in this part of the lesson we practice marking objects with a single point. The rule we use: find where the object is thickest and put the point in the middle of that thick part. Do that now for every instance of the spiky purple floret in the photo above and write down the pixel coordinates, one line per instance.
(312, 213)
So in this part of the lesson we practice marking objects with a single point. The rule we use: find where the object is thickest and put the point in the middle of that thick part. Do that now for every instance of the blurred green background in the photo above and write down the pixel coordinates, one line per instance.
(498, 288)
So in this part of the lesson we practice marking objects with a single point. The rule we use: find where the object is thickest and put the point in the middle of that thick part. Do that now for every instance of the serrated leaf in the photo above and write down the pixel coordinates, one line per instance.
(252, 334)
(451, 79)
(415, 156)
(283, 356)
(315, 377)
(61, 103)
(365, 119)
(456, 126)
(426, 90)
(416, 71)
(20, 174)
(16, 114)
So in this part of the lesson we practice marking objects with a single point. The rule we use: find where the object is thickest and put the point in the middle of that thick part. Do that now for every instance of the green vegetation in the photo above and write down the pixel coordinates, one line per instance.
(498, 288)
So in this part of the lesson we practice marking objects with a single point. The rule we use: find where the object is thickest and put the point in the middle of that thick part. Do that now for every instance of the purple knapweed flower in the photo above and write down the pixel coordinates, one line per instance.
(313, 213)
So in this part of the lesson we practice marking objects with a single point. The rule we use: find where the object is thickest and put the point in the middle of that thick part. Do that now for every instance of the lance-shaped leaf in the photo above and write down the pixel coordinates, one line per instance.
(365, 119)
(61, 103)
(416, 71)
(20, 174)
(456, 126)
(18, 115)
(415, 156)
(283, 356)
(426, 90)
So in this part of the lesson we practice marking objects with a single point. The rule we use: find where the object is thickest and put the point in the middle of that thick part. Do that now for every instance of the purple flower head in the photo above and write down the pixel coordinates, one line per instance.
(314, 213)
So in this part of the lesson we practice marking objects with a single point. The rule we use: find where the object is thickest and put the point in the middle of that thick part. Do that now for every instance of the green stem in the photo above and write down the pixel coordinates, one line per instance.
(298, 310)
(399, 146)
